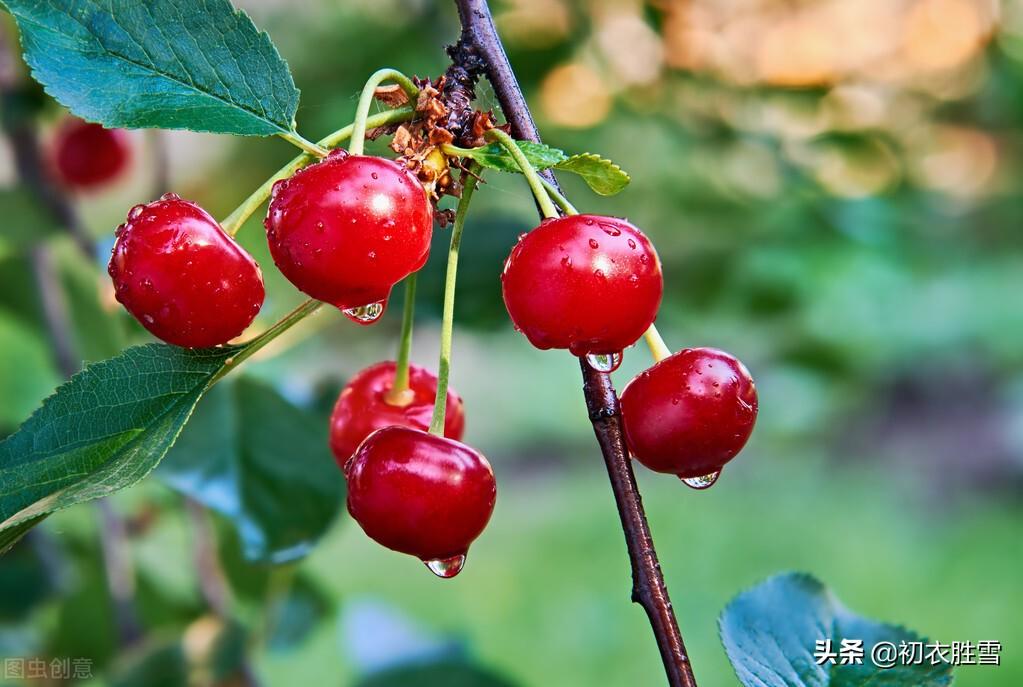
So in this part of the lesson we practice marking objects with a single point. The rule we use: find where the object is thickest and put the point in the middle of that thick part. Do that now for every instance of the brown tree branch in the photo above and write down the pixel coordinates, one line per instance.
(479, 40)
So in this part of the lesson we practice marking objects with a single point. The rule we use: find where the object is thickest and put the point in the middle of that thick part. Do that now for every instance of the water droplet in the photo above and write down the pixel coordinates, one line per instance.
(589, 222)
(372, 255)
(319, 227)
(338, 154)
(704, 482)
(594, 244)
(148, 319)
(375, 175)
(365, 314)
(604, 362)
(119, 230)
(566, 261)
(136, 211)
(632, 244)
(170, 196)
(446, 567)
(599, 274)
(610, 229)
(644, 259)
(147, 284)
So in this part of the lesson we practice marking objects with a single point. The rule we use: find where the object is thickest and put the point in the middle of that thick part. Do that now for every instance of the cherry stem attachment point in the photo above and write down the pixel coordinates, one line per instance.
(400, 394)
(656, 344)
(440, 404)
(535, 185)
(366, 100)
(309, 147)
(236, 219)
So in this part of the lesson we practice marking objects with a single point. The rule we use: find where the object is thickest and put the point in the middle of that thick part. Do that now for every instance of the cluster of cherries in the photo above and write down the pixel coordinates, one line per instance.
(345, 230)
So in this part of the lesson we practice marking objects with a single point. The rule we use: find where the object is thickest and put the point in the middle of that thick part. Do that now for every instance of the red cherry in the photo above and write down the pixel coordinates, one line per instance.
(362, 408)
(182, 276)
(421, 494)
(348, 228)
(691, 413)
(86, 155)
(587, 283)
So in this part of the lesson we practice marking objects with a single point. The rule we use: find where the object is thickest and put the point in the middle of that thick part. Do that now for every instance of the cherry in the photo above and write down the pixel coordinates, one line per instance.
(348, 228)
(182, 276)
(587, 283)
(421, 494)
(691, 413)
(363, 407)
(86, 155)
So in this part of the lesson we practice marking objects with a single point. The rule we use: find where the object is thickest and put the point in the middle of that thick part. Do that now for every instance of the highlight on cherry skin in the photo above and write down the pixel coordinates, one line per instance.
(182, 277)
(366, 405)
(588, 283)
(690, 414)
(421, 494)
(347, 229)
(87, 156)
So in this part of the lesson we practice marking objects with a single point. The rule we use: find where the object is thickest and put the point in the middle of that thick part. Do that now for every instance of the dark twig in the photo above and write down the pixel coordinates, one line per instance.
(480, 40)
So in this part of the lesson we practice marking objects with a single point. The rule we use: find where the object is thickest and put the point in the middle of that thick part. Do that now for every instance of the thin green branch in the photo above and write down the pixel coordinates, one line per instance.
(471, 176)
(366, 100)
(656, 344)
(298, 141)
(399, 393)
(542, 199)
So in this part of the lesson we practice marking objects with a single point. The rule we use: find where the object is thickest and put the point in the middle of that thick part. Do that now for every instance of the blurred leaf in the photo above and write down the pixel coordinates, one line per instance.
(159, 665)
(98, 331)
(25, 222)
(27, 373)
(263, 463)
(104, 430)
(603, 176)
(494, 156)
(450, 673)
(25, 579)
(770, 633)
(211, 652)
(173, 64)
(304, 607)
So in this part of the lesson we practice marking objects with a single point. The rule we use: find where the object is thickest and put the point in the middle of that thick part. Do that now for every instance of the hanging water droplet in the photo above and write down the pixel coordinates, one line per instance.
(604, 362)
(704, 482)
(365, 314)
(446, 567)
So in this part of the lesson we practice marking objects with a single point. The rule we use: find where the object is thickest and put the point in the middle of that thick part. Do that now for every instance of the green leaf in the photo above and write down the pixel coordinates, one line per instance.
(448, 672)
(264, 464)
(770, 634)
(602, 176)
(172, 64)
(494, 156)
(103, 430)
(25, 579)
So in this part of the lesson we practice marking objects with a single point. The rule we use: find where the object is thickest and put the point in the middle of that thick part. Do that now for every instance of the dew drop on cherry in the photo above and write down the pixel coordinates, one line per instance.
(703, 482)
(446, 567)
(604, 362)
(365, 314)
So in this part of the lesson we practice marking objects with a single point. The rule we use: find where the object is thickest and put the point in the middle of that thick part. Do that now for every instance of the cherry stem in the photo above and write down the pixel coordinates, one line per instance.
(558, 197)
(242, 213)
(309, 147)
(440, 404)
(656, 344)
(535, 185)
(399, 394)
(366, 100)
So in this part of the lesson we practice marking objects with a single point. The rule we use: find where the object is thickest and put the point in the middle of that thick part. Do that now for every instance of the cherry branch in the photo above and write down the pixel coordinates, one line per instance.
(479, 51)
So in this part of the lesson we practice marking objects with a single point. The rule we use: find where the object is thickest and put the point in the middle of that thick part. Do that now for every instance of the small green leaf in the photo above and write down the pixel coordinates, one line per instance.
(102, 431)
(494, 156)
(771, 632)
(264, 464)
(601, 175)
(172, 64)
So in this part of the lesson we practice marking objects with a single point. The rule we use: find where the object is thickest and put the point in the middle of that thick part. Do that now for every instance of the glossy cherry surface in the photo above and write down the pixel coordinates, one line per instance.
(363, 407)
(349, 227)
(182, 276)
(86, 155)
(420, 494)
(587, 283)
(691, 413)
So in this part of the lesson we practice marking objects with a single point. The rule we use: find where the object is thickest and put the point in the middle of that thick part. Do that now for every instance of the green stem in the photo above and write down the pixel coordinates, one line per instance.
(471, 177)
(248, 349)
(542, 199)
(558, 197)
(237, 218)
(309, 147)
(658, 348)
(399, 394)
(366, 100)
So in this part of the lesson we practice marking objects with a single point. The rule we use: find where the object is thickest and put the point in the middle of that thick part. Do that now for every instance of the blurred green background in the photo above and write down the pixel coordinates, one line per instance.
(834, 188)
